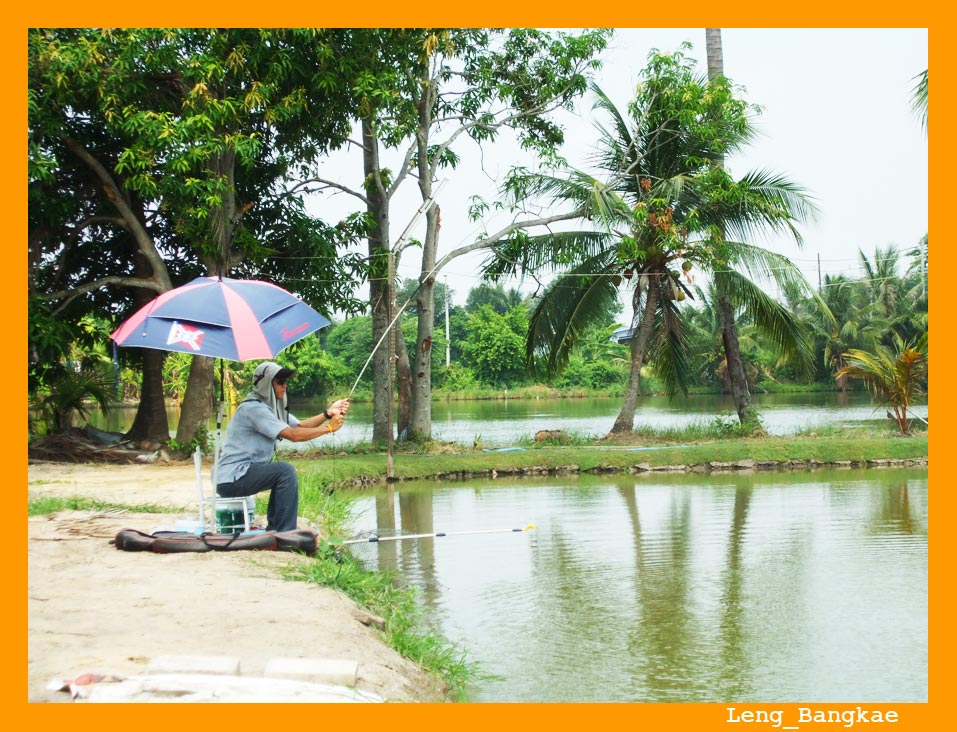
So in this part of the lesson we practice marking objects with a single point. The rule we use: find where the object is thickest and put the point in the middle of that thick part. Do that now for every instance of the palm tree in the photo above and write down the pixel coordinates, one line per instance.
(660, 209)
(768, 323)
(920, 98)
(723, 285)
(74, 391)
(896, 376)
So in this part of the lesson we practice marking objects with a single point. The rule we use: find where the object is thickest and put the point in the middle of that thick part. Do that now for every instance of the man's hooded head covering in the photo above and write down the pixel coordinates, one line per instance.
(263, 391)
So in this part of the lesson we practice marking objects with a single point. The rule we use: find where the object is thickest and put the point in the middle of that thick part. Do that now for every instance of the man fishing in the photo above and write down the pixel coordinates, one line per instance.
(246, 465)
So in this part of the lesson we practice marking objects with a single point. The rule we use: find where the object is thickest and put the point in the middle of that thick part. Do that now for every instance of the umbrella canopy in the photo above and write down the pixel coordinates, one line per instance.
(237, 320)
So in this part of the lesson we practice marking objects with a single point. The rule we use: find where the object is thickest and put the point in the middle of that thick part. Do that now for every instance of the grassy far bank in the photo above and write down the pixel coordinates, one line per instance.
(855, 446)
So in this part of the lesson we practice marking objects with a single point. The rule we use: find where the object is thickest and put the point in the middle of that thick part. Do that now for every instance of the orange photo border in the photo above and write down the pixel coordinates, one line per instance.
(496, 13)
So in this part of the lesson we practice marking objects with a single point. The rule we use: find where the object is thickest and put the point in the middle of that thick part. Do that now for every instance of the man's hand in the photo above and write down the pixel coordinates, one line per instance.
(340, 407)
(335, 423)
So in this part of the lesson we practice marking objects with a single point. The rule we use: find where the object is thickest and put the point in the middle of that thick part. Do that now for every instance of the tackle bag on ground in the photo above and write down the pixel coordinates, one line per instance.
(173, 542)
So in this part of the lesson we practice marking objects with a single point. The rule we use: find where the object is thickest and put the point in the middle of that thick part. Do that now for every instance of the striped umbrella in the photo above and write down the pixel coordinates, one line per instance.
(237, 320)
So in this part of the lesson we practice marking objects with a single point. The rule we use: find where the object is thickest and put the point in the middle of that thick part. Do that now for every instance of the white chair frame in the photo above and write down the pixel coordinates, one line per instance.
(209, 506)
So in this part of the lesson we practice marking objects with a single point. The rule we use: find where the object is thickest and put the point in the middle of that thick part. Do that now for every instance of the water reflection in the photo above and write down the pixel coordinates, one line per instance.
(735, 676)
(770, 587)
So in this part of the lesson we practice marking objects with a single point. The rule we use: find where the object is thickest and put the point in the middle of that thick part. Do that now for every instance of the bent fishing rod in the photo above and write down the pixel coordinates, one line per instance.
(426, 205)
(375, 539)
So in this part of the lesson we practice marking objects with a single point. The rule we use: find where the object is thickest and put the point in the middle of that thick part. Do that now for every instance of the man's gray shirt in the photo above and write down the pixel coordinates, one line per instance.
(251, 438)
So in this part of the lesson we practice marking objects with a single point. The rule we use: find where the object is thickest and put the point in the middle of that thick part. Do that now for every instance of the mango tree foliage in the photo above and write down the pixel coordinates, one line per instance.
(156, 155)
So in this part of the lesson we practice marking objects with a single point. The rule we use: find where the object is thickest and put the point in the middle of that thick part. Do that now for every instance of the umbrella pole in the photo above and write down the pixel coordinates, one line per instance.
(220, 415)
(198, 463)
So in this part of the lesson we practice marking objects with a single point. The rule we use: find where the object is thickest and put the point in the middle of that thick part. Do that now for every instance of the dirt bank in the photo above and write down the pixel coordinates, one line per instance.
(94, 609)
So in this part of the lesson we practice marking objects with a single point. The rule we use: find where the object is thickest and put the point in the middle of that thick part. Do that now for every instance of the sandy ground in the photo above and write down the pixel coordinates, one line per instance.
(93, 609)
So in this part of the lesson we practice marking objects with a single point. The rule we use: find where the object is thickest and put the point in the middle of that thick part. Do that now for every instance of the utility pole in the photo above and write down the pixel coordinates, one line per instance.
(448, 344)
(819, 285)
(923, 268)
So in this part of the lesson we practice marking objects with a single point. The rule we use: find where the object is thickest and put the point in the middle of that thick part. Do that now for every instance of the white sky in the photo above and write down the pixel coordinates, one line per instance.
(837, 119)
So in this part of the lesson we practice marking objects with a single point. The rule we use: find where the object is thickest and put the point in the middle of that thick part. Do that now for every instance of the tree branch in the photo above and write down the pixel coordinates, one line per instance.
(144, 241)
(73, 293)
(499, 235)
(326, 184)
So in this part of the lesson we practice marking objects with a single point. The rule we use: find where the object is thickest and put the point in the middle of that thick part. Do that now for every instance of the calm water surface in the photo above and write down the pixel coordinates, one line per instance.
(502, 422)
(772, 587)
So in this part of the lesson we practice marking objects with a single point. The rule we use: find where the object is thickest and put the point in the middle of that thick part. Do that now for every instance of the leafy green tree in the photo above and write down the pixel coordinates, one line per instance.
(496, 296)
(319, 373)
(896, 376)
(407, 293)
(598, 362)
(661, 209)
(458, 332)
(494, 350)
(348, 342)
(456, 378)
(423, 93)
(77, 197)
(180, 149)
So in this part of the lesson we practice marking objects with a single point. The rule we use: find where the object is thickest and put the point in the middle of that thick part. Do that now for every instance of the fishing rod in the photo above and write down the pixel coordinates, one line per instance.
(426, 205)
(378, 539)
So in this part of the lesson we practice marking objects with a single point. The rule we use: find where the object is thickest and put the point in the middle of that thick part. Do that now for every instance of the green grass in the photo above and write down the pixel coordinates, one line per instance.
(41, 506)
(406, 629)
(696, 445)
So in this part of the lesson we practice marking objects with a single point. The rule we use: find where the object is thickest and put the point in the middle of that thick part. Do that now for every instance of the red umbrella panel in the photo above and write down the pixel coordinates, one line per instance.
(238, 320)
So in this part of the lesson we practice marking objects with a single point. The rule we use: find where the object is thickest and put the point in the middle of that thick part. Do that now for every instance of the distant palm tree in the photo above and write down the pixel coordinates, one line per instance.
(74, 392)
(658, 209)
(895, 375)
(920, 98)
(881, 280)
(766, 320)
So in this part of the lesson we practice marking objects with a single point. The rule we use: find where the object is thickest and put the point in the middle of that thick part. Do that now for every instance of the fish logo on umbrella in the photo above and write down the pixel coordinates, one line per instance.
(191, 337)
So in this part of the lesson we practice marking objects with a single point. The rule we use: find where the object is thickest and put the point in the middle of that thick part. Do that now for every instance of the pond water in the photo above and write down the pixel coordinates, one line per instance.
(772, 587)
(501, 422)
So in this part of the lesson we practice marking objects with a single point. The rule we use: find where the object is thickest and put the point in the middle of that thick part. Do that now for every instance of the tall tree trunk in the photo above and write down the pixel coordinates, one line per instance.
(420, 427)
(403, 384)
(715, 52)
(732, 351)
(198, 400)
(625, 421)
(380, 288)
(729, 329)
(151, 423)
